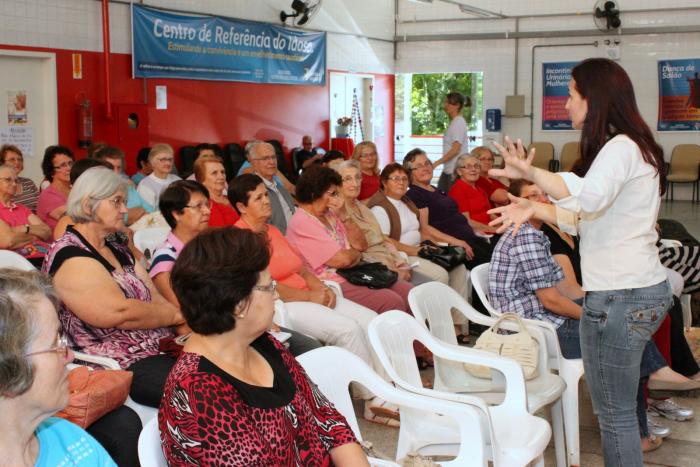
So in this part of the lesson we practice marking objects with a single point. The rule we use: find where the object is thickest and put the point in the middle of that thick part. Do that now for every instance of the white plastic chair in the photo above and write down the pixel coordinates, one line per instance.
(10, 259)
(685, 298)
(570, 370)
(144, 412)
(150, 451)
(516, 436)
(147, 240)
(469, 422)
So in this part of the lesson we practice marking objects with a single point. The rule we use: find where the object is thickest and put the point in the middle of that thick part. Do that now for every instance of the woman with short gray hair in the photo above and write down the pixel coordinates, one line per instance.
(33, 379)
(110, 307)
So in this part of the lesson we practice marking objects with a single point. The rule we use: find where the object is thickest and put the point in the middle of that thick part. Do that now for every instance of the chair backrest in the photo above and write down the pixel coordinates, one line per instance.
(147, 240)
(10, 259)
(569, 154)
(480, 282)
(544, 152)
(234, 158)
(150, 451)
(685, 159)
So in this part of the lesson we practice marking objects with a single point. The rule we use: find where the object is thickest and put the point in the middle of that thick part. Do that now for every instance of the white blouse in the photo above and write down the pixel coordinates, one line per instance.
(410, 227)
(617, 204)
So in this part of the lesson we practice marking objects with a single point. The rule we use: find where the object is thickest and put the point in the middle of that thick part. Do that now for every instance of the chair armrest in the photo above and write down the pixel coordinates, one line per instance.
(106, 362)
(335, 287)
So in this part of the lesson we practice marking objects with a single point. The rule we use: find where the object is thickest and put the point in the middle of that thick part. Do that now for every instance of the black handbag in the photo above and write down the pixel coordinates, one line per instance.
(372, 275)
(448, 257)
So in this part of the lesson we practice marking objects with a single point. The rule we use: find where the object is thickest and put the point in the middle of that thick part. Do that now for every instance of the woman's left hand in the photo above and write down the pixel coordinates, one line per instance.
(519, 210)
(518, 164)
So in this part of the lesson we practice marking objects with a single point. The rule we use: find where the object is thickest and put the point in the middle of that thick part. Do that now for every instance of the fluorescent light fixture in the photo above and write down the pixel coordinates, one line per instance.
(421, 1)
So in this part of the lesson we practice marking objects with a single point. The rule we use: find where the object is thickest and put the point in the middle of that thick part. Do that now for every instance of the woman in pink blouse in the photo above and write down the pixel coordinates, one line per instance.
(56, 166)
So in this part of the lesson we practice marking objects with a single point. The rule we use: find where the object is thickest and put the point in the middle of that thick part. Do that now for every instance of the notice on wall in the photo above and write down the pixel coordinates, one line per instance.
(555, 92)
(170, 45)
(679, 95)
(20, 136)
(16, 107)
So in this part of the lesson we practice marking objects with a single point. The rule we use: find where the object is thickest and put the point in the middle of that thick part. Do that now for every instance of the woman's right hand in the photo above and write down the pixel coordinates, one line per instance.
(519, 210)
(518, 164)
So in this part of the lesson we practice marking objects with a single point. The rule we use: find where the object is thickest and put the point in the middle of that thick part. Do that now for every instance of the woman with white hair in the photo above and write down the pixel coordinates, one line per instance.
(33, 379)
(161, 158)
(472, 201)
(110, 307)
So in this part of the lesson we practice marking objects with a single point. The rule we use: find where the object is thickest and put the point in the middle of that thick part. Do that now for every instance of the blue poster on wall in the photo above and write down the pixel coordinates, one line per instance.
(555, 92)
(168, 45)
(679, 95)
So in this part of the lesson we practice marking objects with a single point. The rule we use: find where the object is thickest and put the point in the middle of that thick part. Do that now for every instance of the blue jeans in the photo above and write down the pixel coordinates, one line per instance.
(615, 328)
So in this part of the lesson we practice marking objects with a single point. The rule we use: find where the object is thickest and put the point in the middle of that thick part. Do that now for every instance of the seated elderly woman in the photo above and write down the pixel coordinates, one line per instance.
(33, 379)
(326, 244)
(236, 395)
(441, 211)
(20, 230)
(161, 158)
(312, 307)
(365, 153)
(209, 171)
(27, 193)
(185, 207)
(472, 201)
(110, 307)
(56, 166)
(494, 188)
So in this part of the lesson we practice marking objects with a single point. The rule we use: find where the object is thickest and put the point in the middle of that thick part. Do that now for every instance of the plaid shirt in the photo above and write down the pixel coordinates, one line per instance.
(519, 266)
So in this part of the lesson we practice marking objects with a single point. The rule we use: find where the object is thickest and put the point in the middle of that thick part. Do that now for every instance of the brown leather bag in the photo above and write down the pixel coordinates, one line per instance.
(93, 393)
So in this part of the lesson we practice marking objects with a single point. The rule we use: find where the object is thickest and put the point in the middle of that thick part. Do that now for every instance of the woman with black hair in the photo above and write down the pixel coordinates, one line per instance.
(611, 200)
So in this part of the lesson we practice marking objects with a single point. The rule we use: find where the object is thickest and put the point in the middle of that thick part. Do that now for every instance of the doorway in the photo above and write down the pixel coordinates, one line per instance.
(29, 78)
(348, 90)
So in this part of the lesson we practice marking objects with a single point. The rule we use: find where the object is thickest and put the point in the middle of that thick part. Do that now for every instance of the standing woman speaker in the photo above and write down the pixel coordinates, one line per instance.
(611, 200)
(455, 141)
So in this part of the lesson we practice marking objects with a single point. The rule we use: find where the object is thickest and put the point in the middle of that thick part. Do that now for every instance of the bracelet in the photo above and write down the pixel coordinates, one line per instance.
(27, 230)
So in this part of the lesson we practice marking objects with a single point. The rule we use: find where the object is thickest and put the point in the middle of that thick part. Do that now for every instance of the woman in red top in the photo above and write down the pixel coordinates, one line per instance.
(210, 172)
(496, 191)
(236, 396)
(365, 154)
(471, 200)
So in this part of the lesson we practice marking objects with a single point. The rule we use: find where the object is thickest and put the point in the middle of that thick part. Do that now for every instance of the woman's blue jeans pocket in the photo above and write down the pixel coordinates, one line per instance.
(643, 321)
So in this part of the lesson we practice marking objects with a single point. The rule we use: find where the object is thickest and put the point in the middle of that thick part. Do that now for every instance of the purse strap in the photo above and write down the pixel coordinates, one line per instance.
(510, 317)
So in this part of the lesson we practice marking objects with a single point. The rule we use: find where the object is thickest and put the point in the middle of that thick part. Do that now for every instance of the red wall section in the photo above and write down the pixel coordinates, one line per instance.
(202, 111)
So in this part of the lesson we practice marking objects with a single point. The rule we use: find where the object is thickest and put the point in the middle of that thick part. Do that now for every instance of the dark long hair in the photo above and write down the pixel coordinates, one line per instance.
(612, 110)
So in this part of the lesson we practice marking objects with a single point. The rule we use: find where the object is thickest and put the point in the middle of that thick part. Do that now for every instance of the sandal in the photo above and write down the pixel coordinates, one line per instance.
(381, 412)
(651, 443)
(424, 363)
(463, 339)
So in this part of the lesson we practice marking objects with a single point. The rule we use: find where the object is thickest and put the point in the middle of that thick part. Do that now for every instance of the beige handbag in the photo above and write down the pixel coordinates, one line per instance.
(519, 346)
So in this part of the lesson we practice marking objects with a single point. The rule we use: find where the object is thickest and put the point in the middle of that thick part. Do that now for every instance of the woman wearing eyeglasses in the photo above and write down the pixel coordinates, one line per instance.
(236, 396)
(161, 158)
(20, 230)
(56, 166)
(472, 201)
(33, 380)
(27, 193)
(366, 155)
(325, 243)
(110, 307)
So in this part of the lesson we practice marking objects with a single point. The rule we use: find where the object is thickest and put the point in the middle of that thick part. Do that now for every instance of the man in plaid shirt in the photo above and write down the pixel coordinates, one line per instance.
(525, 279)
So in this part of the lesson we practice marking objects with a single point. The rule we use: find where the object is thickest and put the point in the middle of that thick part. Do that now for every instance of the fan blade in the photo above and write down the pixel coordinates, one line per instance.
(302, 21)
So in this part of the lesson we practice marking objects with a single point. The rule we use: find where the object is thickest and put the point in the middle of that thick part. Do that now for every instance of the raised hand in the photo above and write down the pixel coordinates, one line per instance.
(519, 210)
(518, 164)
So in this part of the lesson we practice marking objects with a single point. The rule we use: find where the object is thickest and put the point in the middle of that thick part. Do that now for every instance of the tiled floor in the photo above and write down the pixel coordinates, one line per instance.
(681, 448)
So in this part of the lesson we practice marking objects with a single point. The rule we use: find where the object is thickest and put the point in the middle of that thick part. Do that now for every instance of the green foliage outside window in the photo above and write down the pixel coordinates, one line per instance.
(428, 93)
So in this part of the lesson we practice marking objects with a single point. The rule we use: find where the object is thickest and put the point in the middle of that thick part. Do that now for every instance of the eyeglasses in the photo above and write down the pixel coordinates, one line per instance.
(271, 287)
(398, 179)
(426, 165)
(350, 178)
(486, 159)
(266, 158)
(165, 159)
(368, 154)
(204, 205)
(10, 179)
(117, 201)
(62, 348)
(470, 166)
(64, 165)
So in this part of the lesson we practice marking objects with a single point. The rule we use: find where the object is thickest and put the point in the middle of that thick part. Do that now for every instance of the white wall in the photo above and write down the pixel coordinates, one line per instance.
(495, 57)
(77, 24)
